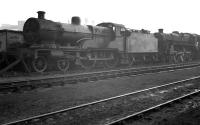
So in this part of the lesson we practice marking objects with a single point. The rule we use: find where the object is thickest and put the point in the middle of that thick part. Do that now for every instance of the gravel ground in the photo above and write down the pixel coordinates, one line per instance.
(190, 117)
(21, 105)
(96, 114)
(186, 112)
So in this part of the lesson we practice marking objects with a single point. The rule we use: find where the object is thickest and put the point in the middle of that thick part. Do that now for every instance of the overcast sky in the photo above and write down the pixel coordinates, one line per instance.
(172, 15)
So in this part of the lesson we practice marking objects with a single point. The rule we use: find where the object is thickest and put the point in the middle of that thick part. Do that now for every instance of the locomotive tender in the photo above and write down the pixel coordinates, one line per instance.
(48, 44)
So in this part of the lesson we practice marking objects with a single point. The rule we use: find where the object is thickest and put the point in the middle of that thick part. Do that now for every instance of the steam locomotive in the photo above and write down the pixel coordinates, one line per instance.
(45, 44)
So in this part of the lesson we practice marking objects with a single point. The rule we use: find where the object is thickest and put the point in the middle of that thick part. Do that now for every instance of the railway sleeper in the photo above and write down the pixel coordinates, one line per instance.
(95, 78)
(84, 79)
(72, 81)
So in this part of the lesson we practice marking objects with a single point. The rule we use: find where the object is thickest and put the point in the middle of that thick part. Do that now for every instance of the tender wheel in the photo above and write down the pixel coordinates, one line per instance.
(85, 61)
(155, 59)
(188, 57)
(63, 65)
(180, 59)
(172, 59)
(40, 64)
(131, 60)
(87, 64)
(112, 63)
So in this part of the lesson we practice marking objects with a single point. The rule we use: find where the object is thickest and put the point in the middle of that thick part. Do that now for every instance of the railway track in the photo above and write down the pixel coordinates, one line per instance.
(119, 108)
(30, 83)
(141, 114)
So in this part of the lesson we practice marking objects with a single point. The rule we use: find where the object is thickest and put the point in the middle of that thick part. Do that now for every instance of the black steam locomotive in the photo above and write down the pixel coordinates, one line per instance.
(45, 44)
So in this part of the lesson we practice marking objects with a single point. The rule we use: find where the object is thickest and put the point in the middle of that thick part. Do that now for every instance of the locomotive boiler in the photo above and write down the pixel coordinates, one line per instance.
(42, 31)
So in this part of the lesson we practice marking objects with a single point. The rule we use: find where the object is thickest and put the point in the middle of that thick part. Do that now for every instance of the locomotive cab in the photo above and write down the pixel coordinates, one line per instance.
(119, 35)
(117, 29)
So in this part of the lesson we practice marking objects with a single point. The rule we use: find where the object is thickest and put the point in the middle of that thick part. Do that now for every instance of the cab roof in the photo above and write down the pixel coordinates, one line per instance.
(109, 24)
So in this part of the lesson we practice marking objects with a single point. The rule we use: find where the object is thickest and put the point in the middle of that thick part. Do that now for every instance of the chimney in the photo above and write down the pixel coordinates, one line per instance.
(41, 14)
(160, 30)
(76, 20)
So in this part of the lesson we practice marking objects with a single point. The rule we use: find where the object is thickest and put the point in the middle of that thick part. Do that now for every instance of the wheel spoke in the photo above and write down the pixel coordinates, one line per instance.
(63, 65)
(130, 61)
(111, 63)
(87, 64)
(40, 64)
